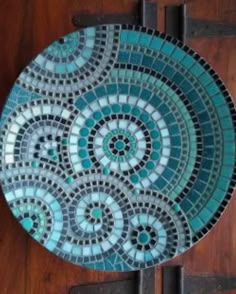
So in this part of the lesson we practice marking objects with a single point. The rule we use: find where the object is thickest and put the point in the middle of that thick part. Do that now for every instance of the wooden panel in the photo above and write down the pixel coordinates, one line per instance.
(26, 28)
(13, 247)
(221, 10)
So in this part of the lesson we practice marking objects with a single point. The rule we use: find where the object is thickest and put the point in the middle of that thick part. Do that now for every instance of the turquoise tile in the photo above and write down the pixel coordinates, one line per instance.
(196, 224)
(90, 97)
(168, 48)
(147, 61)
(123, 57)
(123, 36)
(178, 54)
(100, 91)
(156, 43)
(133, 37)
(145, 39)
(80, 103)
(158, 65)
(135, 58)
(188, 61)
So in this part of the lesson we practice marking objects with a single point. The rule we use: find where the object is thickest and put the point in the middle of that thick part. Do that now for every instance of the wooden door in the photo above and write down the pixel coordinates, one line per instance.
(26, 27)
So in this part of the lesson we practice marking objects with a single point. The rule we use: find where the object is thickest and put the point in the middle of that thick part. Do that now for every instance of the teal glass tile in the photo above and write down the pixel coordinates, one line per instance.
(193, 96)
(89, 97)
(188, 61)
(197, 69)
(80, 103)
(177, 78)
(212, 89)
(174, 130)
(196, 224)
(112, 89)
(134, 90)
(158, 65)
(168, 48)
(186, 86)
(178, 54)
(147, 61)
(156, 43)
(205, 79)
(167, 174)
(193, 196)
(205, 215)
(133, 37)
(186, 205)
(145, 39)
(135, 58)
(145, 94)
(176, 141)
(123, 57)
(100, 91)
(169, 118)
(123, 36)
(168, 71)
(160, 183)
(155, 101)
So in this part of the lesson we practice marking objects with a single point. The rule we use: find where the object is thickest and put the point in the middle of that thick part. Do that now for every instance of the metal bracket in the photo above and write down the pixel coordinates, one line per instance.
(182, 27)
(147, 281)
(209, 284)
(174, 24)
(149, 14)
(173, 279)
(194, 28)
(85, 20)
(144, 283)
(145, 14)
(114, 287)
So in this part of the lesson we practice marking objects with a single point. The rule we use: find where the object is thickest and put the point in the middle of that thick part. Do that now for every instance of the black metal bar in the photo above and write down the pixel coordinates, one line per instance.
(173, 280)
(209, 284)
(115, 287)
(174, 21)
(195, 28)
(146, 282)
(149, 14)
(146, 15)
(86, 20)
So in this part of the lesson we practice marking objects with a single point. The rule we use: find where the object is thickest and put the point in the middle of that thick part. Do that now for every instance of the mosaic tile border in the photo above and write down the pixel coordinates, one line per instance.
(118, 148)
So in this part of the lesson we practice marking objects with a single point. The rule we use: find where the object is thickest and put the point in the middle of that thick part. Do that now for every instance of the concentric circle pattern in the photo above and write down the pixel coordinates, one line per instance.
(117, 148)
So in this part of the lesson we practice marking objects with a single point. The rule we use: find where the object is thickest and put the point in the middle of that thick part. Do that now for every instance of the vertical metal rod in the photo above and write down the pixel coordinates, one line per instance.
(149, 14)
(174, 21)
(146, 284)
(140, 282)
(173, 280)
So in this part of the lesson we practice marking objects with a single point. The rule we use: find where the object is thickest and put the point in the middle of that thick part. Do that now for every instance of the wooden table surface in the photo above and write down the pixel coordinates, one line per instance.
(26, 27)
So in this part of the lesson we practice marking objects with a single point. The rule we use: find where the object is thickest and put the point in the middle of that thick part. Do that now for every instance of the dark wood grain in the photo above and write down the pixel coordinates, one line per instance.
(13, 253)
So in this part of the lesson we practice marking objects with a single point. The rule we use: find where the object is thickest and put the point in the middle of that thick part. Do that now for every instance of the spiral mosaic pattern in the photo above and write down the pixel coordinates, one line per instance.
(117, 148)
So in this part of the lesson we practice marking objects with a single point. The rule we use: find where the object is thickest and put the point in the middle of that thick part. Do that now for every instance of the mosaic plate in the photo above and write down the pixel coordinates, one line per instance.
(117, 148)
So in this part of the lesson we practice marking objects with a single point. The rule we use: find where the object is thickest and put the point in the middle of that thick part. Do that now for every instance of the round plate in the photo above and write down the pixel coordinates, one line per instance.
(117, 148)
